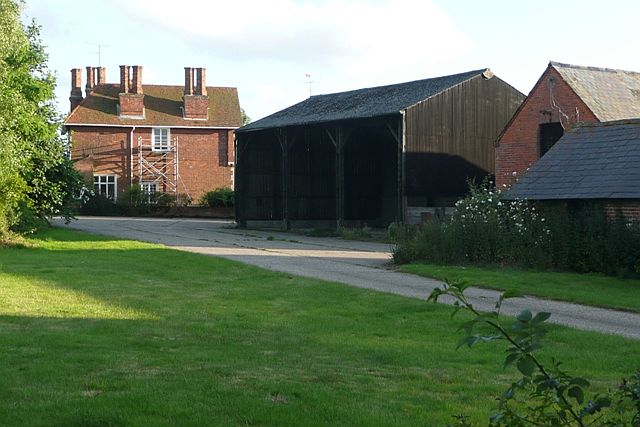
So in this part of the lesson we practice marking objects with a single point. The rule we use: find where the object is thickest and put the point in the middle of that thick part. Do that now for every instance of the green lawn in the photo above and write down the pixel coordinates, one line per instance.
(101, 332)
(590, 289)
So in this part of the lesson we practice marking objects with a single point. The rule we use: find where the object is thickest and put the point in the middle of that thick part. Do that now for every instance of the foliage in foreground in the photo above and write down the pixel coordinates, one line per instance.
(545, 394)
(36, 180)
(486, 229)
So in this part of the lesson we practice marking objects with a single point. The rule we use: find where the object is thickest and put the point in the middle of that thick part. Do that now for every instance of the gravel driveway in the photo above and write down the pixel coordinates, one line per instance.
(360, 264)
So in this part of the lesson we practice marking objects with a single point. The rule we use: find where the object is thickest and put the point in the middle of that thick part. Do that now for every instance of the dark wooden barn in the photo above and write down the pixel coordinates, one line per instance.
(371, 156)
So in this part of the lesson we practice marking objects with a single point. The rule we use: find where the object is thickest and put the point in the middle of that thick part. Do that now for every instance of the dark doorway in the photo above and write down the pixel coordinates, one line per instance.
(261, 178)
(312, 191)
(371, 176)
(550, 133)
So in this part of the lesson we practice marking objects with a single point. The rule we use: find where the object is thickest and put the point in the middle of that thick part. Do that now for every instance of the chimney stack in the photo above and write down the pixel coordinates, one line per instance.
(102, 76)
(124, 79)
(91, 79)
(201, 86)
(195, 100)
(131, 96)
(136, 86)
(76, 87)
(188, 81)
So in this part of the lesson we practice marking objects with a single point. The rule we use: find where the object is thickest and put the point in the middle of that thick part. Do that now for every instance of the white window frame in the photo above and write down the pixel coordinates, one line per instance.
(159, 144)
(146, 187)
(106, 183)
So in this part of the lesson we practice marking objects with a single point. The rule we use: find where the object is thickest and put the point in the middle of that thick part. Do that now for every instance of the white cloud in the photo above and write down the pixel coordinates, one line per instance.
(371, 41)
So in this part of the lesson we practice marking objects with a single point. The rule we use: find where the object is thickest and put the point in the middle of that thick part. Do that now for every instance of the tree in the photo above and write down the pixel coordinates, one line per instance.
(35, 177)
(245, 118)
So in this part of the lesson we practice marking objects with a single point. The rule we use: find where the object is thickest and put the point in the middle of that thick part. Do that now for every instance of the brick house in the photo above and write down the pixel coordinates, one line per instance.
(171, 139)
(563, 96)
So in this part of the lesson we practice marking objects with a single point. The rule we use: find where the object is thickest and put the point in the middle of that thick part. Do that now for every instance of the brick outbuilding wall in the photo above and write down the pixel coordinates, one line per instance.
(551, 100)
(628, 209)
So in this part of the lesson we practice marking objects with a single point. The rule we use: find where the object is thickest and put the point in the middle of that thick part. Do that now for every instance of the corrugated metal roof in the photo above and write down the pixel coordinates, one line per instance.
(592, 161)
(609, 94)
(361, 103)
(162, 106)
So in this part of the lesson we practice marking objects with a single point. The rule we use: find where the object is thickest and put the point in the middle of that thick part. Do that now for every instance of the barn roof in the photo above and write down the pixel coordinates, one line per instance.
(592, 161)
(609, 94)
(162, 105)
(361, 103)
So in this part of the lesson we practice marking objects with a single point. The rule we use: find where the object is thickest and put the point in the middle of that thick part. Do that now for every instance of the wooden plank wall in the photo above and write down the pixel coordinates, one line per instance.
(463, 121)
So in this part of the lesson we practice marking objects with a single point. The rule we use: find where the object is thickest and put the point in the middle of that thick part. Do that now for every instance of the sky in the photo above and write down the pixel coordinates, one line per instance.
(271, 50)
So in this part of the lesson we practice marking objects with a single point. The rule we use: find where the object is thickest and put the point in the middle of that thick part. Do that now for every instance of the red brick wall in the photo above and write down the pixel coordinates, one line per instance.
(199, 162)
(102, 151)
(629, 209)
(106, 151)
(518, 148)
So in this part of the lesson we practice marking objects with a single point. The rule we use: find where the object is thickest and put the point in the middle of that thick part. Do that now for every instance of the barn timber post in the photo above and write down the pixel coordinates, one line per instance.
(398, 136)
(338, 140)
(240, 146)
(284, 145)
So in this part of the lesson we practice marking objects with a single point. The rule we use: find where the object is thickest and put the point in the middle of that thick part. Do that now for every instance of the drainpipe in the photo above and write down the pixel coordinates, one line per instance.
(131, 156)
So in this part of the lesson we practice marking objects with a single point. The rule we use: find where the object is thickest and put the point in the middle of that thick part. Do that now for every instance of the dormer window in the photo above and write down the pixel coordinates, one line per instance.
(160, 139)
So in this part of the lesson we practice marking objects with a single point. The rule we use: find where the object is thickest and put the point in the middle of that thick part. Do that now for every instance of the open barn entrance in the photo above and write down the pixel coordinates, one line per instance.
(260, 177)
(371, 176)
(312, 174)
(319, 176)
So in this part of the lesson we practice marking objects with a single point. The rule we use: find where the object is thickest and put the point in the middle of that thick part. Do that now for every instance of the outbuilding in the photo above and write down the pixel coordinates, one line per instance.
(371, 156)
(563, 96)
(597, 163)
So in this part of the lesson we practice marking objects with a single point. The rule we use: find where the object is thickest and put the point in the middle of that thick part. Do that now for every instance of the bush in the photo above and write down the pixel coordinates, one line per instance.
(219, 198)
(487, 229)
(135, 201)
(97, 204)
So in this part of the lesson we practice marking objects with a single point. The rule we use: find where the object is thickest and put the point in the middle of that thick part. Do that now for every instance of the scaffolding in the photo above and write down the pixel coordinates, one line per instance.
(160, 166)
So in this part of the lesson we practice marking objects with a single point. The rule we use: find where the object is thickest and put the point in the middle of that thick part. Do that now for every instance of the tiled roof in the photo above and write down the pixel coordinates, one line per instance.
(361, 103)
(162, 108)
(592, 161)
(609, 94)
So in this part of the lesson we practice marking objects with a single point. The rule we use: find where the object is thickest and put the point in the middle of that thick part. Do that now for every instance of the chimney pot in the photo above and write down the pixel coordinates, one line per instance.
(91, 80)
(102, 76)
(75, 97)
(124, 79)
(137, 79)
(201, 86)
(188, 81)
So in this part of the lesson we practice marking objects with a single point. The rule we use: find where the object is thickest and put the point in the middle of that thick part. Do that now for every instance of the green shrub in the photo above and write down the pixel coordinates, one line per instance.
(97, 204)
(218, 198)
(487, 229)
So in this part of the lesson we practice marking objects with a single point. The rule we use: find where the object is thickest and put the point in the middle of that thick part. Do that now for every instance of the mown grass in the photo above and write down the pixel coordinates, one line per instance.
(103, 332)
(590, 289)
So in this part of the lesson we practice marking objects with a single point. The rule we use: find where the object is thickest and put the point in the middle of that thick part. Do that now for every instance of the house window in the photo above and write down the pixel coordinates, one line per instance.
(105, 185)
(149, 187)
(160, 139)
(550, 133)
